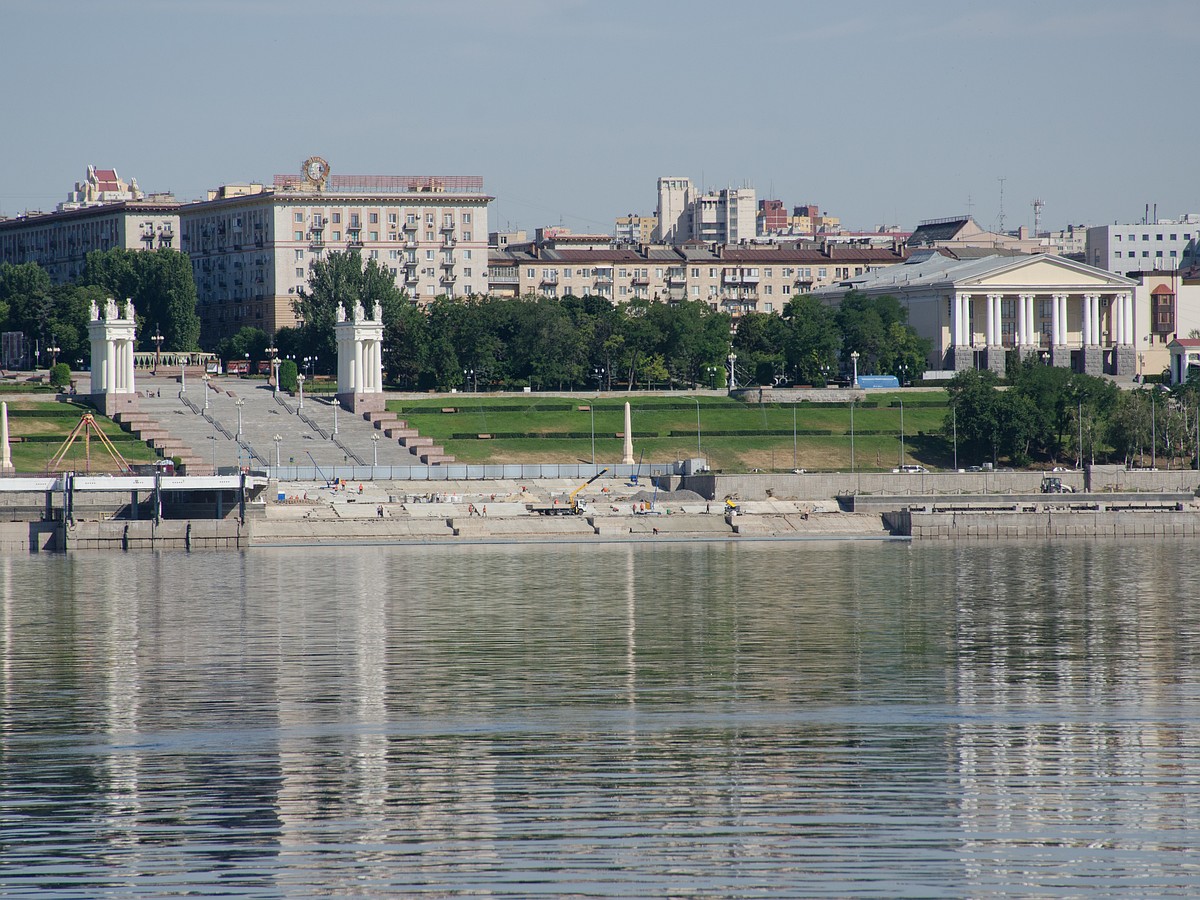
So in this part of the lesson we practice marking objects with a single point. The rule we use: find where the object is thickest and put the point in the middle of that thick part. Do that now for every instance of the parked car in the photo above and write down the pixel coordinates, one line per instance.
(910, 470)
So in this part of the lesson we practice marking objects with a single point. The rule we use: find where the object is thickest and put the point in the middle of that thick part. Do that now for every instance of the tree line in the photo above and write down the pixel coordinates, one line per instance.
(1054, 414)
(568, 342)
(56, 316)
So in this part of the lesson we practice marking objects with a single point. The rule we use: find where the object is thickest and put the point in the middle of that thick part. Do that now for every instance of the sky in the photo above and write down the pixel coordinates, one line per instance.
(878, 112)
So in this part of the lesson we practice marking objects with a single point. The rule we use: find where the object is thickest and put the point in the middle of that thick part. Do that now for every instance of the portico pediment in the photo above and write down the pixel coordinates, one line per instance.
(1038, 274)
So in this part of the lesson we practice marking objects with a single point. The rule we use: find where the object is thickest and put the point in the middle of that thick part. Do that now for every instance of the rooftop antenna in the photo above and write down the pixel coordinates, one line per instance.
(1000, 218)
(1037, 215)
(970, 205)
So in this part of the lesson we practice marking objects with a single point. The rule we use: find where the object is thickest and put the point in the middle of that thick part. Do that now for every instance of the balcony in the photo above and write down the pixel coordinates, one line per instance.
(449, 277)
(732, 277)
(353, 239)
(412, 226)
(410, 244)
(640, 281)
(548, 278)
(505, 278)
(316, 243)
(447, 264)
(449, 240)
(447, 226)
(676, 278)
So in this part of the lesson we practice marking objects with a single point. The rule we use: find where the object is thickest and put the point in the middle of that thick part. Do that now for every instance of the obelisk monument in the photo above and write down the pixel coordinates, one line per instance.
(627, 459)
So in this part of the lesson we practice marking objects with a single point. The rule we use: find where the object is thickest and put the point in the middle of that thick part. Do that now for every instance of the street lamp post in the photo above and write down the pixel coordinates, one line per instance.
(732, 371)
(854, 359)
(239, 403)
(158, 339)
(182, 377)
(277, 438)
(275, 361)
(795, 462)
(374, 450)
(206, 378)
(335, 412)
(300, 381)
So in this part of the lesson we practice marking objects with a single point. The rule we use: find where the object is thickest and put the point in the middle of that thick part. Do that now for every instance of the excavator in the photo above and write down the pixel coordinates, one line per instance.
(572, 507)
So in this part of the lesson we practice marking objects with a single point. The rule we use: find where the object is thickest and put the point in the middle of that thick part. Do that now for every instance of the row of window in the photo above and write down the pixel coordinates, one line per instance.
(393, 218)
(801, 272)
(1158, 236)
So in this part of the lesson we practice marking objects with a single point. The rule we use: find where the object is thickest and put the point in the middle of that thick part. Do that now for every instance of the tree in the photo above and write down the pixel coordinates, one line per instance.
(160, 284)
(248, 343)
(975, 413)
(760, 343)
(812, 340)
(341, 278)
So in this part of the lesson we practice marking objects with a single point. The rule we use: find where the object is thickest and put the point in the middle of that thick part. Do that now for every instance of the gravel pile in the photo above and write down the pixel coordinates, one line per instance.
(667, 497)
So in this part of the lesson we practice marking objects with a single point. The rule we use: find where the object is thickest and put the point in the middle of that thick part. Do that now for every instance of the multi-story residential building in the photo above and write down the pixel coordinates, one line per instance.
(772, 217)
(252, 246)
(1166, 244)
(807, 220)
(736, 279)
(635, 229)
(725, 216)
(60, 241)
(499, 240)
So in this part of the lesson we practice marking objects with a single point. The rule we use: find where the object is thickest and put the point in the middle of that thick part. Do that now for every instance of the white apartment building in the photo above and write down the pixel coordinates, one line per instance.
(727, 216)
(1167, 244)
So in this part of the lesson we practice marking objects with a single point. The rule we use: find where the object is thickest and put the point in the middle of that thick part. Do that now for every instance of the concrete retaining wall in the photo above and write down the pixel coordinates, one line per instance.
(115, 534)
(827, 485)
(1046, 524)
(1116, 478)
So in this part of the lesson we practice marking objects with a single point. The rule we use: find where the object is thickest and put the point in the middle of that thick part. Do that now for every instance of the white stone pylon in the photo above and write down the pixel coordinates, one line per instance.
(6, 463)
(627, 459)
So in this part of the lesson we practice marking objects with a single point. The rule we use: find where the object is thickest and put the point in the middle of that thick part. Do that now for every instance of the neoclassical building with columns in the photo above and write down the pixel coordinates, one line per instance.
(977, 310)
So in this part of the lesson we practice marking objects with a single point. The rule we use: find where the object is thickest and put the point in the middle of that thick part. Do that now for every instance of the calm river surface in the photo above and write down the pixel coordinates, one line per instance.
(672, 720)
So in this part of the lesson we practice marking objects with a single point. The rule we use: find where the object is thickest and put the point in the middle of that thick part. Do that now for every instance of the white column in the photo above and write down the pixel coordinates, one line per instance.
(1130, 334)
(965, 336)
(357, 377)
(990, 336)
(1116, 307)
(1095, 320)
(1022, 321)
(1086, 337)
(372, 367)
(1031, 318)
(955, 320)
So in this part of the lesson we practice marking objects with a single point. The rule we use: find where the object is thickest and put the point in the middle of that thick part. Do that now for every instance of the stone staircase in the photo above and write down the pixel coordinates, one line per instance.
(395, 428)
(145, 428)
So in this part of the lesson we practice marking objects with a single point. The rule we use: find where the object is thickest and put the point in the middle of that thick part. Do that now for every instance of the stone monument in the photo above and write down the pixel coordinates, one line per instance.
(360, 360)
(112, 334)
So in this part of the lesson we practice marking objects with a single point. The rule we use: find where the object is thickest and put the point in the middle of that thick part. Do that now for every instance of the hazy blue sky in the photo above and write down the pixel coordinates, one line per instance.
(877, 111)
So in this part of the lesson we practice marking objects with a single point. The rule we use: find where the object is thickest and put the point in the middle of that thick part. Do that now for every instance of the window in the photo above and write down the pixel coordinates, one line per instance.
(466, 217)
(1117, 254)
(392, 218)
(531, 273)
(695, 290)
(466, 254)
(1145, 237)
(768, 290)
(1174, 253)
(299, 255)
(695, 273)
(1118, 239)
(466, 235)
(393, 254)
(411, 218)
(624, 291)
(429, 219)
(822, 272)
(1174, 237)
(374, 254)
(354, 220)
(299, 217)
(658, 273)
(429, 289)
(1158, 237)
(337, 218)
(429, 235)
(374, 218)
(374, 235)
(623, 273)
(337, 235)
(769, 307)
(467, 272)
(299, 235)
(429, 256)
(712, 273)
(768, 272)
(299, 272)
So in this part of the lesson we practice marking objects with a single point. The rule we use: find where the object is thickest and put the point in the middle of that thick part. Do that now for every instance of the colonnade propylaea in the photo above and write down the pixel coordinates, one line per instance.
(360, 357)
(1025, 328)
(111, 331)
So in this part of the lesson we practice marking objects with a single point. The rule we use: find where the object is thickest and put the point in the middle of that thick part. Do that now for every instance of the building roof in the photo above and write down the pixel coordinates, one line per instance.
(1185, 342)
(1162, 289)
(936, 230)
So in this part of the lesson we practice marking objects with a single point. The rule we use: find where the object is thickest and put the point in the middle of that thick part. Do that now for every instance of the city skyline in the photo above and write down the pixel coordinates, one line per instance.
(571, 111)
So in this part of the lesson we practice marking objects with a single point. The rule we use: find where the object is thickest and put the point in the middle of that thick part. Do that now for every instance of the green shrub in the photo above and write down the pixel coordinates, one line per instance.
(60, 374)
(287, 374)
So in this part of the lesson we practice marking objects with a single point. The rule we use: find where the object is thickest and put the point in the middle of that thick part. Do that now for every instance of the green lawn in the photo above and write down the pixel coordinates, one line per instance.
(37, 429)
(663, 432)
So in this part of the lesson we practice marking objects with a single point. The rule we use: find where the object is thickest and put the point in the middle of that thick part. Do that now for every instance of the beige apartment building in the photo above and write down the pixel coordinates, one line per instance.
(735, 279)
(59, 242)
(251, 246)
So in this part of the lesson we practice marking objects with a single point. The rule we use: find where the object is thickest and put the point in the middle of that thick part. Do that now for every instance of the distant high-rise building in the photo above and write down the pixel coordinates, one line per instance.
(675, 198)
(719, 217)
(772, 217)
(1163, 245)
(101, 186)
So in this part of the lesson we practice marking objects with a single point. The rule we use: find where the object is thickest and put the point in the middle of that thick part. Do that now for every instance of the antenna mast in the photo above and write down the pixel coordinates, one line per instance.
(1000, 218)
(1037, 215)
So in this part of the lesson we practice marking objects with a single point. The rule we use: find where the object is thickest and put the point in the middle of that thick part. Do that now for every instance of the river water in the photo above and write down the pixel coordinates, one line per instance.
(671, 720)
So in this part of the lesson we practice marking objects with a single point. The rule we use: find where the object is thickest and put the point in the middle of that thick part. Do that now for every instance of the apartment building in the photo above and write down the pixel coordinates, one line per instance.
(1165, 245)
(736, 279)
(684, 214)
(635, 229)
(60, 241)
(252, 246)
